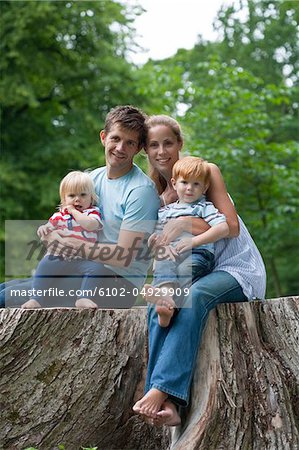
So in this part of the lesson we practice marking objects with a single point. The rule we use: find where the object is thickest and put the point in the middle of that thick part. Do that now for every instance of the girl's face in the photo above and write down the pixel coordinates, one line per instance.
(81, 200)
(162, 148)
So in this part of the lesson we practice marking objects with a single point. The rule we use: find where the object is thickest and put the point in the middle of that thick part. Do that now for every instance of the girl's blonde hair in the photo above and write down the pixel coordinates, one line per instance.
(192, 167)
(75, 182)
(168, 121)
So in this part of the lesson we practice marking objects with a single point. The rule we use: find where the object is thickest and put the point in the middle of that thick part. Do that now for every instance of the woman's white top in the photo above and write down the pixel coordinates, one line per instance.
(240, 257)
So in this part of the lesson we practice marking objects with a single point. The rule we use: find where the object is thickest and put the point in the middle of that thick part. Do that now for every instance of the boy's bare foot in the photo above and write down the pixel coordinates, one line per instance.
(168, 415)
(165, 305)
(31, 304)
(151, 403)
(85, 303)
(164, 315)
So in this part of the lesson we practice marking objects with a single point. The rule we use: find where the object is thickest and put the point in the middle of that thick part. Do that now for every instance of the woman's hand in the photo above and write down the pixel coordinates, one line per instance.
(171, 231)
(183, 245)
(169, 252)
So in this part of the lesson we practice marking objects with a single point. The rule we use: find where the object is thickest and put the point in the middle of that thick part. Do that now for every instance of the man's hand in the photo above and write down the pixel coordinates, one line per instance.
(183, 245)
(44, 230)
(59, 243)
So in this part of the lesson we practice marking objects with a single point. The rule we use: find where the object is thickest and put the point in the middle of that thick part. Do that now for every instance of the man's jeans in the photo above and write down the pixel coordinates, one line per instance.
(173, 350)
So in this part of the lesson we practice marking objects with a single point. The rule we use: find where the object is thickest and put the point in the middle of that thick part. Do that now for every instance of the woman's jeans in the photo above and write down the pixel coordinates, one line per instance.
(173, 350)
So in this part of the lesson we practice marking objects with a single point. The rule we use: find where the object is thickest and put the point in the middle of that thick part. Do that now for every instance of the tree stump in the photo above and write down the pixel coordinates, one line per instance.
(245, 389)
(71, 376)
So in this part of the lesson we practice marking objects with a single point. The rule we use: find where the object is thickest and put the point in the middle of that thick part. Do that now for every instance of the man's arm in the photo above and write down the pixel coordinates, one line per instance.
(120, 254)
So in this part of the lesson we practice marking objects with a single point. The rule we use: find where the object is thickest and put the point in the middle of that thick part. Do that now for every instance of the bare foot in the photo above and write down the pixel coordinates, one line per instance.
(151, 403)
(165, 304)
(165, 314)
(31, 304)
(85, 303)
(168, 415)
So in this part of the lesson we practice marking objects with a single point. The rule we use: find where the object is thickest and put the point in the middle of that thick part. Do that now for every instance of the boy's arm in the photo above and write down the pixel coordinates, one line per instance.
(213, 234)
(88, 222)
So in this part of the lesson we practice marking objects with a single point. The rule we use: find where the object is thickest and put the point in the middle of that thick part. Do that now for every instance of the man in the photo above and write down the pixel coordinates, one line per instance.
(128, 202)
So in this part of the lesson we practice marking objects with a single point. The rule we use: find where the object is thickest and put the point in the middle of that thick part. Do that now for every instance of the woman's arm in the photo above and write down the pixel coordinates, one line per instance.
(218, 195)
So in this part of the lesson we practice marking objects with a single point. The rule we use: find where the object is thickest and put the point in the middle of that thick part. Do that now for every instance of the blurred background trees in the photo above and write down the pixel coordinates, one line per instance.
(65, 64)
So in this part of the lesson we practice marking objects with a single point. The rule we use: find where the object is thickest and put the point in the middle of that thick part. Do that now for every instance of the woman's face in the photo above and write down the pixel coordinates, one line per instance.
(162, 148)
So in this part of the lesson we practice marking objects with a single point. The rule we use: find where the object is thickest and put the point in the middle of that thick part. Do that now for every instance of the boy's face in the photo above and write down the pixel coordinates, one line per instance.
(121, 145)
(188, 190)
(81, 200)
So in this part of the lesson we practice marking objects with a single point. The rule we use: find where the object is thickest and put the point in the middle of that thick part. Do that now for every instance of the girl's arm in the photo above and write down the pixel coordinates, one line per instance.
(89, 223)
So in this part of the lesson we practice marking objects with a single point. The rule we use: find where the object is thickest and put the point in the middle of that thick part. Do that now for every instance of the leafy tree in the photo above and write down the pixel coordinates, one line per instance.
(243, 114)
(63, 67)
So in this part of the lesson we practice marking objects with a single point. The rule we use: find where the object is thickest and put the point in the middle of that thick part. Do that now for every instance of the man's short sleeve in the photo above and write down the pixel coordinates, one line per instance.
(141, 210)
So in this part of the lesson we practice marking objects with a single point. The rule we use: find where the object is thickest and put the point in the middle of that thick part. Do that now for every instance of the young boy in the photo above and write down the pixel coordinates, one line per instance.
(178, 267)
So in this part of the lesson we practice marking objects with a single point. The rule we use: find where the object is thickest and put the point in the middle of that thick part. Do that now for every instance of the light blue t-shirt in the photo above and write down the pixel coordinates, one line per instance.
(130, 202)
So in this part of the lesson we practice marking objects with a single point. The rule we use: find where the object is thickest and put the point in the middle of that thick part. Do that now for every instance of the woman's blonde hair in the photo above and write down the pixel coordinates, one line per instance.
(168, 121)
(75, 182)
(192, 167)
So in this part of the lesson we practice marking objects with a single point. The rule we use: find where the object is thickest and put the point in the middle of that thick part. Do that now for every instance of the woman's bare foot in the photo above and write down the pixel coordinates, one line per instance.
(165, 304)
(168, 415)
(85, 303)
(31, 304)
(151, 403)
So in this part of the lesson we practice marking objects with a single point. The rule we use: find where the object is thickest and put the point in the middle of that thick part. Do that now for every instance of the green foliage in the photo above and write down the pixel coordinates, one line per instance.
(63, 67)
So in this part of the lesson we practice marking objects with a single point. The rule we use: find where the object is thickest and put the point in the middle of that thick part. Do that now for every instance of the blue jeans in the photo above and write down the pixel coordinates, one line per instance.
(171, 368)
(70, 275)
(185, 269)
(79, 276)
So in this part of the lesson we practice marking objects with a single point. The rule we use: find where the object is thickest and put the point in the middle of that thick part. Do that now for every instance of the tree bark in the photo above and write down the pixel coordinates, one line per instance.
(245, 388)
(71, 376)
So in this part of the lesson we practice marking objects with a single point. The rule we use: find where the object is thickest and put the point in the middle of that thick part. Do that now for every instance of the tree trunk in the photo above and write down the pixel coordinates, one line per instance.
(245, 388)
(71, 376)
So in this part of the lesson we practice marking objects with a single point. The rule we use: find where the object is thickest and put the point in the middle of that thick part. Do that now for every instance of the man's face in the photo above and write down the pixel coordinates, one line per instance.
(121, 145)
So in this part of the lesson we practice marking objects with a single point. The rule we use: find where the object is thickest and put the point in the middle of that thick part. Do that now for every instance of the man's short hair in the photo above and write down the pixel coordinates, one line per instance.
(128, 117)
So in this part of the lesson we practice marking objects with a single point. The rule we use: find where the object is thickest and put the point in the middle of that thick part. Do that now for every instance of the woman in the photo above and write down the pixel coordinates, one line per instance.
(239, 275)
